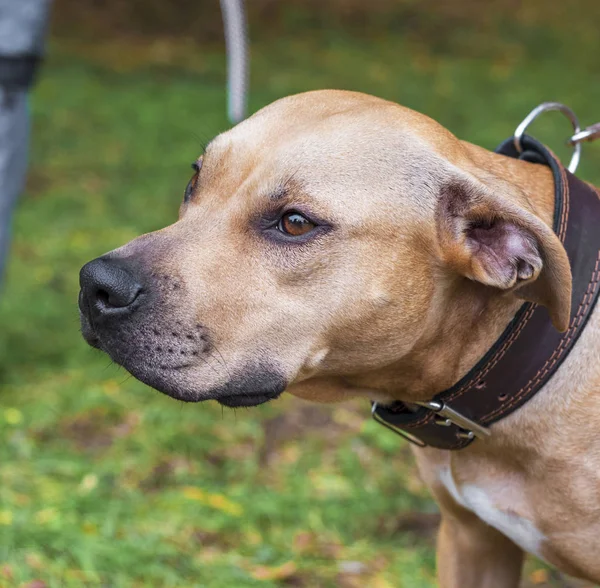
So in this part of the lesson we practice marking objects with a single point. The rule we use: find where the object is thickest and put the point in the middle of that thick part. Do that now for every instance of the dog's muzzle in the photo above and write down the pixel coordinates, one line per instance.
(140, 319)
(128, 312)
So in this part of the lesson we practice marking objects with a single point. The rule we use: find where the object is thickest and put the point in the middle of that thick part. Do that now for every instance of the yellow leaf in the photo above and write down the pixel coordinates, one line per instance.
(379, 582)
(6, 517)
(539, 576)
(274, 573)
(194, 493)
(13, 416)
(89, 528)
(216, 501)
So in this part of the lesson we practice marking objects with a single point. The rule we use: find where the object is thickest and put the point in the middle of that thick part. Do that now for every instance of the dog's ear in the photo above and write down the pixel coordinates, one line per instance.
(491, 239)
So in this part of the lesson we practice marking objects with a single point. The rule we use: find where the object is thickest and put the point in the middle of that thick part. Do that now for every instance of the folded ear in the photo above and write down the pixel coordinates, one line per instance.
(489, 238)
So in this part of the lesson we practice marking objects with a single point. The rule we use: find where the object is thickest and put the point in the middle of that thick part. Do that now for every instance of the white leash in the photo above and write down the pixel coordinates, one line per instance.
(236, 43)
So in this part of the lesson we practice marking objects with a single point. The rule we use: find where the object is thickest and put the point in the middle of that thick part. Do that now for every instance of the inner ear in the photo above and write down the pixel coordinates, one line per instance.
(503, 253)
(491, 237)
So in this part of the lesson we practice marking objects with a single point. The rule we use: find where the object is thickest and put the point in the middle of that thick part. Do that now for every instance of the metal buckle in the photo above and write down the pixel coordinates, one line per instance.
(470, 429)
(545, 107)
(408, 436)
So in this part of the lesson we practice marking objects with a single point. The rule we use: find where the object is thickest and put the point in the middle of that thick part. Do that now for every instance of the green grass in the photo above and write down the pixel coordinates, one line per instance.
(105, 482)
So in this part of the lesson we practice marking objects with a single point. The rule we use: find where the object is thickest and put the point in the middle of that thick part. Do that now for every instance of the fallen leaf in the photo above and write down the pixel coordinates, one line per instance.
(217, 501)
(540, 576)
(380, 582)
(274, 573)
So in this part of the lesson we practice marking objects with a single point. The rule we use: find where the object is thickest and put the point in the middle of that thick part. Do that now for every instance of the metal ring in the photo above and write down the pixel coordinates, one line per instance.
(545, 107)
(591, 133)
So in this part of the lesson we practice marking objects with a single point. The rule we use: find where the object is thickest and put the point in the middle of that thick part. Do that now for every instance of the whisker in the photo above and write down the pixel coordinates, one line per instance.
(224, 362)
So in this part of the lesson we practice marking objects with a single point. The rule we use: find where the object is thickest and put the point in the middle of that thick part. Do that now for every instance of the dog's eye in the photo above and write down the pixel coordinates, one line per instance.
(196, 166)
(294, 224)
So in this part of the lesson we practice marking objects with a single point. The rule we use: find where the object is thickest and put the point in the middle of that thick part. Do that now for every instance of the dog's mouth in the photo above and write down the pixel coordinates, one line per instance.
(240, 400)
(189, 373)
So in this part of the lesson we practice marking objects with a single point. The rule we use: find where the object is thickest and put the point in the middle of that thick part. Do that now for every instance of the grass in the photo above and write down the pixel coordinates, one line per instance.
(104, 482)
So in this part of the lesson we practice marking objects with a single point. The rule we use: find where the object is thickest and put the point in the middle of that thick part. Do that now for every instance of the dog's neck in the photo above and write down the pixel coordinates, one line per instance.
(466, 318)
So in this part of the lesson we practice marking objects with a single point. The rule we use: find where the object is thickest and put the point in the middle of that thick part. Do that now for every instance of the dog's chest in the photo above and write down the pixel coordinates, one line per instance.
(493, 504)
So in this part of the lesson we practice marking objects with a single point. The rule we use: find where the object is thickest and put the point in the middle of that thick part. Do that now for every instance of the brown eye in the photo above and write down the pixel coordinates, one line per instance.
(196, 166)
(294, 224)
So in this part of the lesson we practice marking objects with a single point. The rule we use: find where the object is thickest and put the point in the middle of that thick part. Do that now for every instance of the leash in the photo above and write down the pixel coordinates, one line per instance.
(530, 350)
(236, 45)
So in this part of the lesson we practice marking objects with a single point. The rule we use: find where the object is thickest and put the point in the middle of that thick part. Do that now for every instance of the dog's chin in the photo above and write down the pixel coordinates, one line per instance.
(246, 388)
(177, 389)
(238, 401)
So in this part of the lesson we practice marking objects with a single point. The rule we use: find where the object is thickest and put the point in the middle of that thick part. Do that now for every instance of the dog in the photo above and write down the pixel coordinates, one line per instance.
(326, 247)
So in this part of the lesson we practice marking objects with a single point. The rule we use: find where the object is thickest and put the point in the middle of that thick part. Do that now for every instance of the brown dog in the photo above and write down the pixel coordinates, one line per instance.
(321, 250)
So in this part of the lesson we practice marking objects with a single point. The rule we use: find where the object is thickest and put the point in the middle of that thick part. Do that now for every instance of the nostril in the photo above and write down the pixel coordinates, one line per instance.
(108, 286)
(118, 297)
(103, 296)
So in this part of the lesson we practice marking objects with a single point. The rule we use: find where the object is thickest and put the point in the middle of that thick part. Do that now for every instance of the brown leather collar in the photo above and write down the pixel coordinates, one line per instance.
(530, 350)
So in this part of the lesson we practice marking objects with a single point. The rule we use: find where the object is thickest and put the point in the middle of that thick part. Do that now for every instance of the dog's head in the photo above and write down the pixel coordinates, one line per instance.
(316, 241)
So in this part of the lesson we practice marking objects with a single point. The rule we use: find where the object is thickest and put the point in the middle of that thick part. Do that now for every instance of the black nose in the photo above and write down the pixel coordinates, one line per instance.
(107, 288)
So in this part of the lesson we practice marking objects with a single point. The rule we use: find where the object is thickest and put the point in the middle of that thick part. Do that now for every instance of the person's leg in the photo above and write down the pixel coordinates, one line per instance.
(14, 132)
(23, 25)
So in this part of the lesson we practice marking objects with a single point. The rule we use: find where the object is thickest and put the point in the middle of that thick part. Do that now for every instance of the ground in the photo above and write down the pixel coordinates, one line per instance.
(104, 482)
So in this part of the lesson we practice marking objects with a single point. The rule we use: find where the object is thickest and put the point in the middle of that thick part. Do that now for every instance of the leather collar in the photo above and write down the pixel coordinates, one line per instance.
(530, 349)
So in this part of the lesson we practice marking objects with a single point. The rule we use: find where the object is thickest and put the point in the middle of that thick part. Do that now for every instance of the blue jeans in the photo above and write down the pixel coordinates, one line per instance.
(14, 141)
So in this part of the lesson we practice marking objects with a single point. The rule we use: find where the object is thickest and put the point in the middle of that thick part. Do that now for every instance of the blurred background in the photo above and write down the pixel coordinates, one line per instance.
(104, 482)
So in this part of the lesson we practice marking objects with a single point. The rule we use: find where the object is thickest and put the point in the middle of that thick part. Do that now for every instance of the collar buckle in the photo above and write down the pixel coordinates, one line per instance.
(470, 429)
(408, 436)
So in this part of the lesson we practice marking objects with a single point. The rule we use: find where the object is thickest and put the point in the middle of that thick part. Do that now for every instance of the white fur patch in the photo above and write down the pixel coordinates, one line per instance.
(448, 481)
(518, 529)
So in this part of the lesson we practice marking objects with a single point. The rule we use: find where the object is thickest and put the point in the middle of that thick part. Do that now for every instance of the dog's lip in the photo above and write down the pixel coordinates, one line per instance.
(89, 333)
(245, 400)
